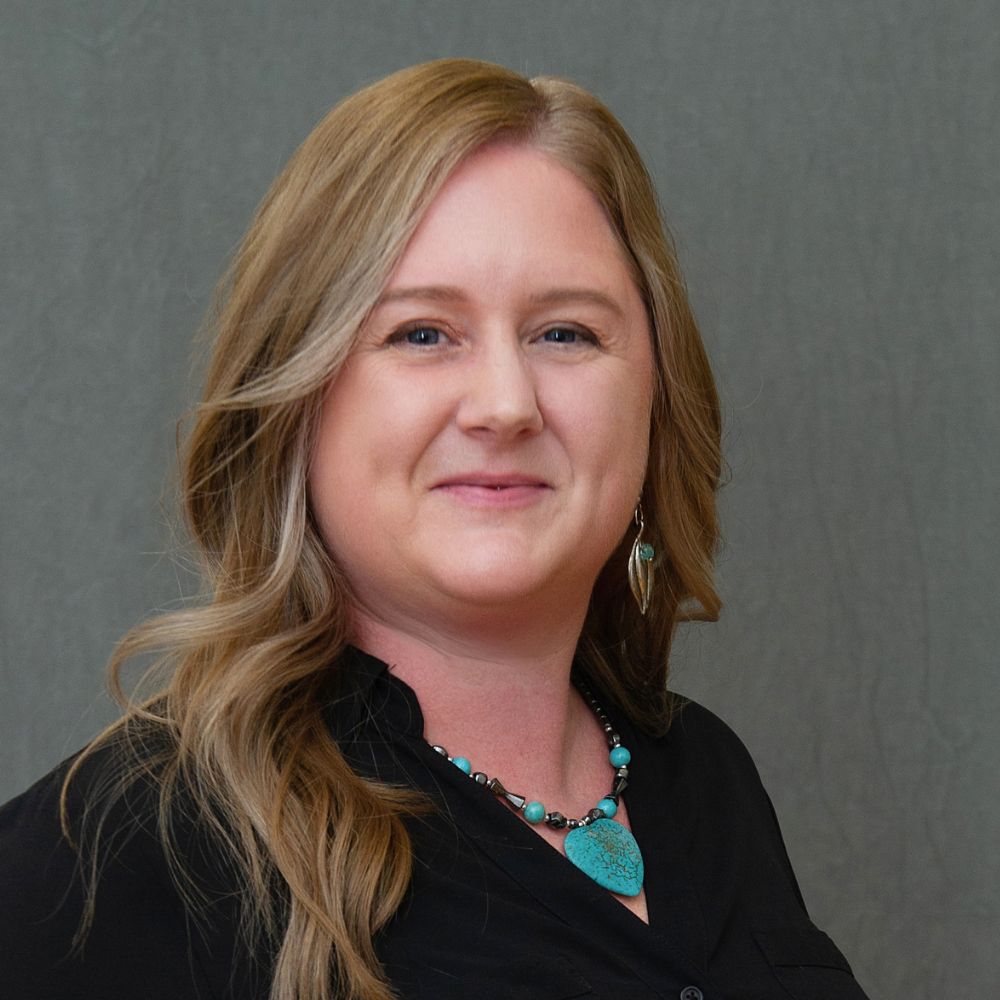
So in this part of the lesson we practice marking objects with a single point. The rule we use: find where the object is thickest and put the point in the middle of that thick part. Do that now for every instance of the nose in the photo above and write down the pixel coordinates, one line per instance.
(500, 396)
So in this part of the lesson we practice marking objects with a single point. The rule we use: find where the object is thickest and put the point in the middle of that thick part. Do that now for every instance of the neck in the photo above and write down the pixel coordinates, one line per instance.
(505, 702)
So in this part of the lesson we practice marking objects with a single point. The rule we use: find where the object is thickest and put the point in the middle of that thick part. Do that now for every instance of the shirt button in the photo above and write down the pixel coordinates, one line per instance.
(692, 993)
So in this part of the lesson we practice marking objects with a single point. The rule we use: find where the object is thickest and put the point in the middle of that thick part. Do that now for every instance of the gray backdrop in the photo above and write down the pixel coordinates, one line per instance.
(831, 171)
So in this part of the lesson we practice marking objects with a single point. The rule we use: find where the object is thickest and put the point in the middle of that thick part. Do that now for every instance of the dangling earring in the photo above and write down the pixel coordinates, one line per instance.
(640, 565)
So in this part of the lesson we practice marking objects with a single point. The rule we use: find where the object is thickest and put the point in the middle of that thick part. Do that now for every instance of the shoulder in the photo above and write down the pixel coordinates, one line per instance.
(738, 859)
(714, 776)
(35, 850)
(719, 792)
(707, 740)
(139, 929)
(111, 811)
(34, 815)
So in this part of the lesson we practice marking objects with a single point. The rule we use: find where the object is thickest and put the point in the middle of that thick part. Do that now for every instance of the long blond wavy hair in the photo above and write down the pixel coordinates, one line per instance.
(241, 675)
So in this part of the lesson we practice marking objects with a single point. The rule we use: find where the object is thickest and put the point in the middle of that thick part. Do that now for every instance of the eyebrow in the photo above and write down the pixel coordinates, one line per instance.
(434, 293)
(550, 297)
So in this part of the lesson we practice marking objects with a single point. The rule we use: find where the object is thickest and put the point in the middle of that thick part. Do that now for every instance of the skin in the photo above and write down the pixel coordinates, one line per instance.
(479, 457)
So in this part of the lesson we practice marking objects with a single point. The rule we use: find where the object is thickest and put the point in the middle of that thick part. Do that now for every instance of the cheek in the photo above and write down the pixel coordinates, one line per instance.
(339, 447)
(617, 421)
(634, 416)
(343, 495)
(327, 489)
(371, 434)
(611, 445)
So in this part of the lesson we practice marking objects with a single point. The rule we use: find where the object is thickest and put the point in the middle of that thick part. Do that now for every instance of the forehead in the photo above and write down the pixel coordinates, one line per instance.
(511, 213)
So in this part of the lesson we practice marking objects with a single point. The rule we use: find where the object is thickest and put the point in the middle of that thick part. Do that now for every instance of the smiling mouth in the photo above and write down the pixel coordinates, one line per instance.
(493, 482)
(489, 486)
(494, 491)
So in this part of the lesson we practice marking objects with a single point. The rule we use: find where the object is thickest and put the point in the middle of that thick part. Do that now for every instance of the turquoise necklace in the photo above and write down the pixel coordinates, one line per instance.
(597, 844)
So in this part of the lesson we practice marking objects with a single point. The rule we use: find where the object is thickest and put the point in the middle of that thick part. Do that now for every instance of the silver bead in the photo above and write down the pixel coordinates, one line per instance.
(556, 820)
(479, 778)
(440, 750)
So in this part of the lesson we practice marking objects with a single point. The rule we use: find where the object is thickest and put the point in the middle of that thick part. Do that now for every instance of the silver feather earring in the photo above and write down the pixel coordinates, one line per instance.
(640, 565)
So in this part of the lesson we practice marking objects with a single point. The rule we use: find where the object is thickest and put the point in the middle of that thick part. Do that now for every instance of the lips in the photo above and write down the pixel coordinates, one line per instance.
(493, 491)
(493, 481)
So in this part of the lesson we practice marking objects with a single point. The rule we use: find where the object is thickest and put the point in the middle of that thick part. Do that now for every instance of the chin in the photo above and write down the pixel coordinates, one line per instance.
(486, 591)
(516, 586)
(490, 580)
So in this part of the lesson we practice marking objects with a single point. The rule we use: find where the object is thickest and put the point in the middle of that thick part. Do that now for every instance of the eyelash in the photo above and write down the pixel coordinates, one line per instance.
(402, 336)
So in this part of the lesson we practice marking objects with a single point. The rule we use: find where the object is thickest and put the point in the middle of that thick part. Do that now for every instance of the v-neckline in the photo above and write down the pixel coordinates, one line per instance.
(538, 867)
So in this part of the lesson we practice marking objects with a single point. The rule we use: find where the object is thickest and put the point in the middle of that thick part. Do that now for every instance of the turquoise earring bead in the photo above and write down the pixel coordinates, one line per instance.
(646, 552)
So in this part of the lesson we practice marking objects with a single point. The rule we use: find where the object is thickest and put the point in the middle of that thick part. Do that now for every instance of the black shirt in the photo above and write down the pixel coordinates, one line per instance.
(493, 911)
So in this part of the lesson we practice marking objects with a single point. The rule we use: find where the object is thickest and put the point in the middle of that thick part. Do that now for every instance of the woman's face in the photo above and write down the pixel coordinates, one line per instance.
(483, 448)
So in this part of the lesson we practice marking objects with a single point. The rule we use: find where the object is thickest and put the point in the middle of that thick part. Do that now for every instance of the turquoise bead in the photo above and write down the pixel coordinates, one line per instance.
(608, 807)
(646, 552)
(619, 757)
(462, 764)
(534, 812)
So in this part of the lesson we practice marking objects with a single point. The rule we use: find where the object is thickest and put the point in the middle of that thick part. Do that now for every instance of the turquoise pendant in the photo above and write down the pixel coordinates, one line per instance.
(608, 853)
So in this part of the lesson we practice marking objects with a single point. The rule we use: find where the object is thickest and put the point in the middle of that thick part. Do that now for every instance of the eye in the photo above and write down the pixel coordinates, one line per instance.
(567, 335)
(418, 336)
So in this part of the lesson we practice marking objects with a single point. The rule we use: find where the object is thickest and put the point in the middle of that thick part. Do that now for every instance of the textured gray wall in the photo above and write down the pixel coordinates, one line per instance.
(831, 170)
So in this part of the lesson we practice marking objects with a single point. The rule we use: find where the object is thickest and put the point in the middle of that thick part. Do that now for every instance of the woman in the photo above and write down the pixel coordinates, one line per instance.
(453, 480)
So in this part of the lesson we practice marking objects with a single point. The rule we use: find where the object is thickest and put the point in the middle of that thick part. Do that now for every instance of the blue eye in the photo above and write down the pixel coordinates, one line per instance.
(422, 336)
(561, 335)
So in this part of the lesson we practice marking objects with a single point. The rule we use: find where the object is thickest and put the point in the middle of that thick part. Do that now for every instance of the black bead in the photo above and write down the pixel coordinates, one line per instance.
(495, 785)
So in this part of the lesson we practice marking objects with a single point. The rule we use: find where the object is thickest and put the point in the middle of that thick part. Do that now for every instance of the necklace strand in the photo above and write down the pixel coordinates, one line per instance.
(598, 845)
(533, 811)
